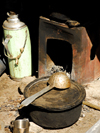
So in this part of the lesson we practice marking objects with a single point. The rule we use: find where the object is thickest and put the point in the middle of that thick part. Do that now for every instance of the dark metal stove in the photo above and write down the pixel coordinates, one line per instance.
(75, 46)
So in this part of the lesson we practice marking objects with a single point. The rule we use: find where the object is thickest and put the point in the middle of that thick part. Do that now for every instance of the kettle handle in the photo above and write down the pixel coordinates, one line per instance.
(5, 43)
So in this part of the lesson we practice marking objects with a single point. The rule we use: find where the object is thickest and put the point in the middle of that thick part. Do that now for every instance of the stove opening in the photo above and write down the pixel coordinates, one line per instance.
(59, 53)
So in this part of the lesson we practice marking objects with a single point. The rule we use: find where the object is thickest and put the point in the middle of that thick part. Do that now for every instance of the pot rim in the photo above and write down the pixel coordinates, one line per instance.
(67, 107)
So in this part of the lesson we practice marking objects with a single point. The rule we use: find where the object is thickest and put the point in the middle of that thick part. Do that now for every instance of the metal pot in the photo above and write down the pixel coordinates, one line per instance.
(57, 108)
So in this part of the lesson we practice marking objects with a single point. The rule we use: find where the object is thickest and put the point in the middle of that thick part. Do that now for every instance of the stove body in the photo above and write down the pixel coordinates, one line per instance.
(83, 69)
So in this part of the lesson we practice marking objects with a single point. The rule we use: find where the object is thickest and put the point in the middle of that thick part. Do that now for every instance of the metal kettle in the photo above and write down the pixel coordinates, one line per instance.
(17, 47)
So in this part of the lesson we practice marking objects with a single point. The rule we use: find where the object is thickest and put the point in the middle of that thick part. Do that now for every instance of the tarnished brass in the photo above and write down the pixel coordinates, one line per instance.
(59, 80)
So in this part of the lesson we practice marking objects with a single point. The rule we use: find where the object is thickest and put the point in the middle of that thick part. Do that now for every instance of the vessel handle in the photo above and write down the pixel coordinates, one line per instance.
(12, 124)
(5, 43)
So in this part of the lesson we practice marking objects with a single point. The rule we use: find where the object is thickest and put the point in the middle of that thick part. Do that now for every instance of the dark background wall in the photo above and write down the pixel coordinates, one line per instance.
(29, 11)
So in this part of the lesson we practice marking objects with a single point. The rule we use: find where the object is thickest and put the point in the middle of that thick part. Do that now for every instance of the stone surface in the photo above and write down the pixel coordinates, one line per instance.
(10, 97)
(2, 126)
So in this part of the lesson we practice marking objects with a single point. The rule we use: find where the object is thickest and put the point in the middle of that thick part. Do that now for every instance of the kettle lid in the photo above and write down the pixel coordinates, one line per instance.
(13, 21)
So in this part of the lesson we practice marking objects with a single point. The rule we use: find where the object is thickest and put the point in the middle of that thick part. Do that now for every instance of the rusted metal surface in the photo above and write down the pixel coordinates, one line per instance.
(84, 69)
